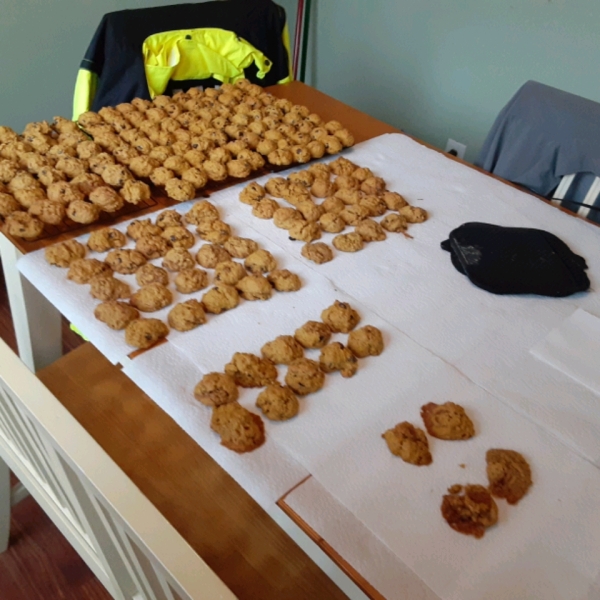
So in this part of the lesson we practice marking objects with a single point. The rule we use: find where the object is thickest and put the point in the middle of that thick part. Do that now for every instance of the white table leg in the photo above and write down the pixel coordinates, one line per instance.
(37, 323)
(4, 505)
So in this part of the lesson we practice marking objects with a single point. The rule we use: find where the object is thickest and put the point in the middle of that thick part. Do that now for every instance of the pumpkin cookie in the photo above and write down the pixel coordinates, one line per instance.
(143, 333)
(63, 254)
(151, 297)
(278, 402)
(187, 315)
(470, 513)
(240, 430)
(304, 376)
(370, 231)
(340, 316)
(509, 474)
(447, 421)
(409, 443)
(366, 341)
(216, 389)
(117, 315)
(249, 370)
(336, 357)
(394, 223)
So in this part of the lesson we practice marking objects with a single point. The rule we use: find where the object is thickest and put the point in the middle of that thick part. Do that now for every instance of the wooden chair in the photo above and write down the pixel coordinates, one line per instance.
(579, 193)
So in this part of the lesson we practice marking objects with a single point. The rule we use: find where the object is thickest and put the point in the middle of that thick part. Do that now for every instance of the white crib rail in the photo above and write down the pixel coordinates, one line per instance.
(126, 542)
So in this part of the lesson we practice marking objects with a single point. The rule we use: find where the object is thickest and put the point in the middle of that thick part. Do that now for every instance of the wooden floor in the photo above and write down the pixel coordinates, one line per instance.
(40, 564)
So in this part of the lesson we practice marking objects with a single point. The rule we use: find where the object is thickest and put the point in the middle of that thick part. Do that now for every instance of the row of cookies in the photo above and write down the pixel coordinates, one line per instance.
(350, 196)
(169, 239)
(243, 431)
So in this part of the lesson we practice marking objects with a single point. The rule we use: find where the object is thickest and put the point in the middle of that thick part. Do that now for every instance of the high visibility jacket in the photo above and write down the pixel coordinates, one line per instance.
(144, 52)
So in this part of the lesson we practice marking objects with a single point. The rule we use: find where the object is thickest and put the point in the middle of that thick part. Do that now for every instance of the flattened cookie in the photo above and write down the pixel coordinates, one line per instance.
(409, 443)
(336, 357)
(151, 297)
(283, 350)
(216, 389)
(240, 430)
(143, 333)
(509, 474)
(63, 254)
(117, 315)
(304, 376)
(340, 316)
(366, 341)
(447, 421)
(471, 513)
(318, 252)
(278, 402)
(187, 315)
(249, 370)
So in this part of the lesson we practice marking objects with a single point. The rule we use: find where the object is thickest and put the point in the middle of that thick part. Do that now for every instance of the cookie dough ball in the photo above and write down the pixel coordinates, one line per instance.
(240, 430)
(178, 259)
(260, 262)
(201, 211)
(142, 228)
(150, 273)
(345, 137)
(180, 190)
(277, 187)
(216, 389)
(278, 402)
(125, 262)
(197, 177)
(63, 254)
(83, 270)
(191, 280)
(393, 200)
(316, 148)
(254, 287)
(471, 513)
(283, 350)
(336, 357)
(304, 376)
(331, 223)
(284, 281)
(135, 192)
(341, 317)
(239, 247)
(143, 333)
(214, 231)
(106, 199)
(48, 211)
(151, 297)
(265, 208)
(366, 341)
(370, 231)
(229, 272)
(341, 165)
(447, 421)
(195, 158)
(169, 218)
(20, 224)
(248, 370)
(394, 223)
(178, 237)
(252, 193)
(220, 298)
(239, 168)
(305, 231)
(106, 287)
(117, 315)
(280, 157)
(409, 443)
(509, 474)
(313, 334)
(413, 214)
(348, 242)
(152, 246)
(210, 255)
(318, 252)
(187, 315)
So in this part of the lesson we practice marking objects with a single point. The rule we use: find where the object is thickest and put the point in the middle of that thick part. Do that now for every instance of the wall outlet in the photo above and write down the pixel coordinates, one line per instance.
(455, 148)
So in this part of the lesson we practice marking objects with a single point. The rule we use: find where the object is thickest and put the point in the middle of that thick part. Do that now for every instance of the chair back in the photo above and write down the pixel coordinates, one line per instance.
(579, 193)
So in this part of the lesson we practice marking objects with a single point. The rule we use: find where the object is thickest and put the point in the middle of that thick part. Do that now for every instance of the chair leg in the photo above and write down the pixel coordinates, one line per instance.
(5, 501)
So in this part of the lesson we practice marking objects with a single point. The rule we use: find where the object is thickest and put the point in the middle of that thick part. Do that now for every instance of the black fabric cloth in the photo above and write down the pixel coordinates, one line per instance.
(115, 52)
(541, 135)
(516, 260)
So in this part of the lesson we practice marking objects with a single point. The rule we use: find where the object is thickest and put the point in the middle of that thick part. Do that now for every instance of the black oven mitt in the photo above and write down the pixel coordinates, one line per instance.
(516, 260)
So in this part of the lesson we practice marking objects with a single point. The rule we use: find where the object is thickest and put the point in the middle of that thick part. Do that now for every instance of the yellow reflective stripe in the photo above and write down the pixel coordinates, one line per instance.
(286, 42)
(73, 328)
(85, 90)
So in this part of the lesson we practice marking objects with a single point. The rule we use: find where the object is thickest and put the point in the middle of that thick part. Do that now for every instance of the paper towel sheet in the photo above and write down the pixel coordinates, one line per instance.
(574, 349)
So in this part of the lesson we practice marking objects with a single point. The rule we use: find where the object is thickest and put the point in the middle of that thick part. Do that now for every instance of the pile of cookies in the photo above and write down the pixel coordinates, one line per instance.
(76, 170)
(242, 430)
(468, 509)
(167, 242)
(328, 198)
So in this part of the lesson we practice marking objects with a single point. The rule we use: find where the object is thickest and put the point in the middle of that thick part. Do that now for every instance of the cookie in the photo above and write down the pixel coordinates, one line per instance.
(220, 298)
(354, 214)
(152, 246)
(8, 204)
(340, 316)
(394, 223)
(196, 176)
(283, 350)
(214, 231)
(117, 315)
(135, 192)
(169, 218)
(106, 199)
(332, 223)
(313, 334)
(22, 225)
(370, 231)
(210, 255)
(239, 247)
(252, 193)
(409, 443)
(394, 200)
(125, 262)
(82, 270)
(366, 341)
(150, 273)
(191, 280)
(143, 333)
(83, 212)
(277, 186)
(186, 315)
(472, 512)
(229, 272)
(509, 474)
(103, 240)
(240, 430)
(447, 421)
(322, 188)
(260, 262)
(178, 237)
(284, 281)
(142, 228)
(216, 389)
(265, 208)
(286, 217)
(151, 297)
(254, 287)
(85, 184)
(63, 254)
(318, 252)
(201, 211)
(348, 242)
(413, 214)
(373, 185)
(179, 189)
(305, 231)
(178, 259)
(304, 376)
(248, 370)
(106, 287)
(278, 402)
(336, 357)
(116, 175)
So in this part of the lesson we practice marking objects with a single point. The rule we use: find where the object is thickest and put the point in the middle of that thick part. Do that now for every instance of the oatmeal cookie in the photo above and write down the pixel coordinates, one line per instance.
(28, 197)
(409, 443)
(169, 218)
(229, 272)
(509, 474)
(239, 168)
(239, 247)
(252, 193)
(161, 175)
(336, 357)
(254, 287)
(216, 389)
(316, 148)
(210, 255)
(471, 513)
(106, 287)
(178, 237)
(370, 231)
(83, 270)
(142, 228)
(331, 223)
(63, 254)
(322, 188)
(373, 186)
(214, 231)
(117, 315)
(278, 402)
(260, 262)
(348, 242)
(394, 200)
(305, 231)
(394, 223)
(116, 175)
(151, 297)
(310, 211)
(286, 217)
(201, 211)
(318, 252)
(413, 214)
(284, 281)
(196, 176)
(85, 183)
(143, 333)
(376, 206)
(187, 315)
(277, 187)
(48, 211)
(283, 350)
(178, 259)
(107, 199)
(304, 376)
(366, 341)
(180, 190)
(313, 334)
(265, 208)
(248, 370)
(340, 316)
(152, 246)
(305, 178)
(447, 421)
(8, 204)
(125, 262)
(220, 298)
(362, 173)
(135, 192)
(150, 273)
(215, 171)
(240, 430)
(22, 225)
(63, 192)
(191, 280)
(354, 214)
